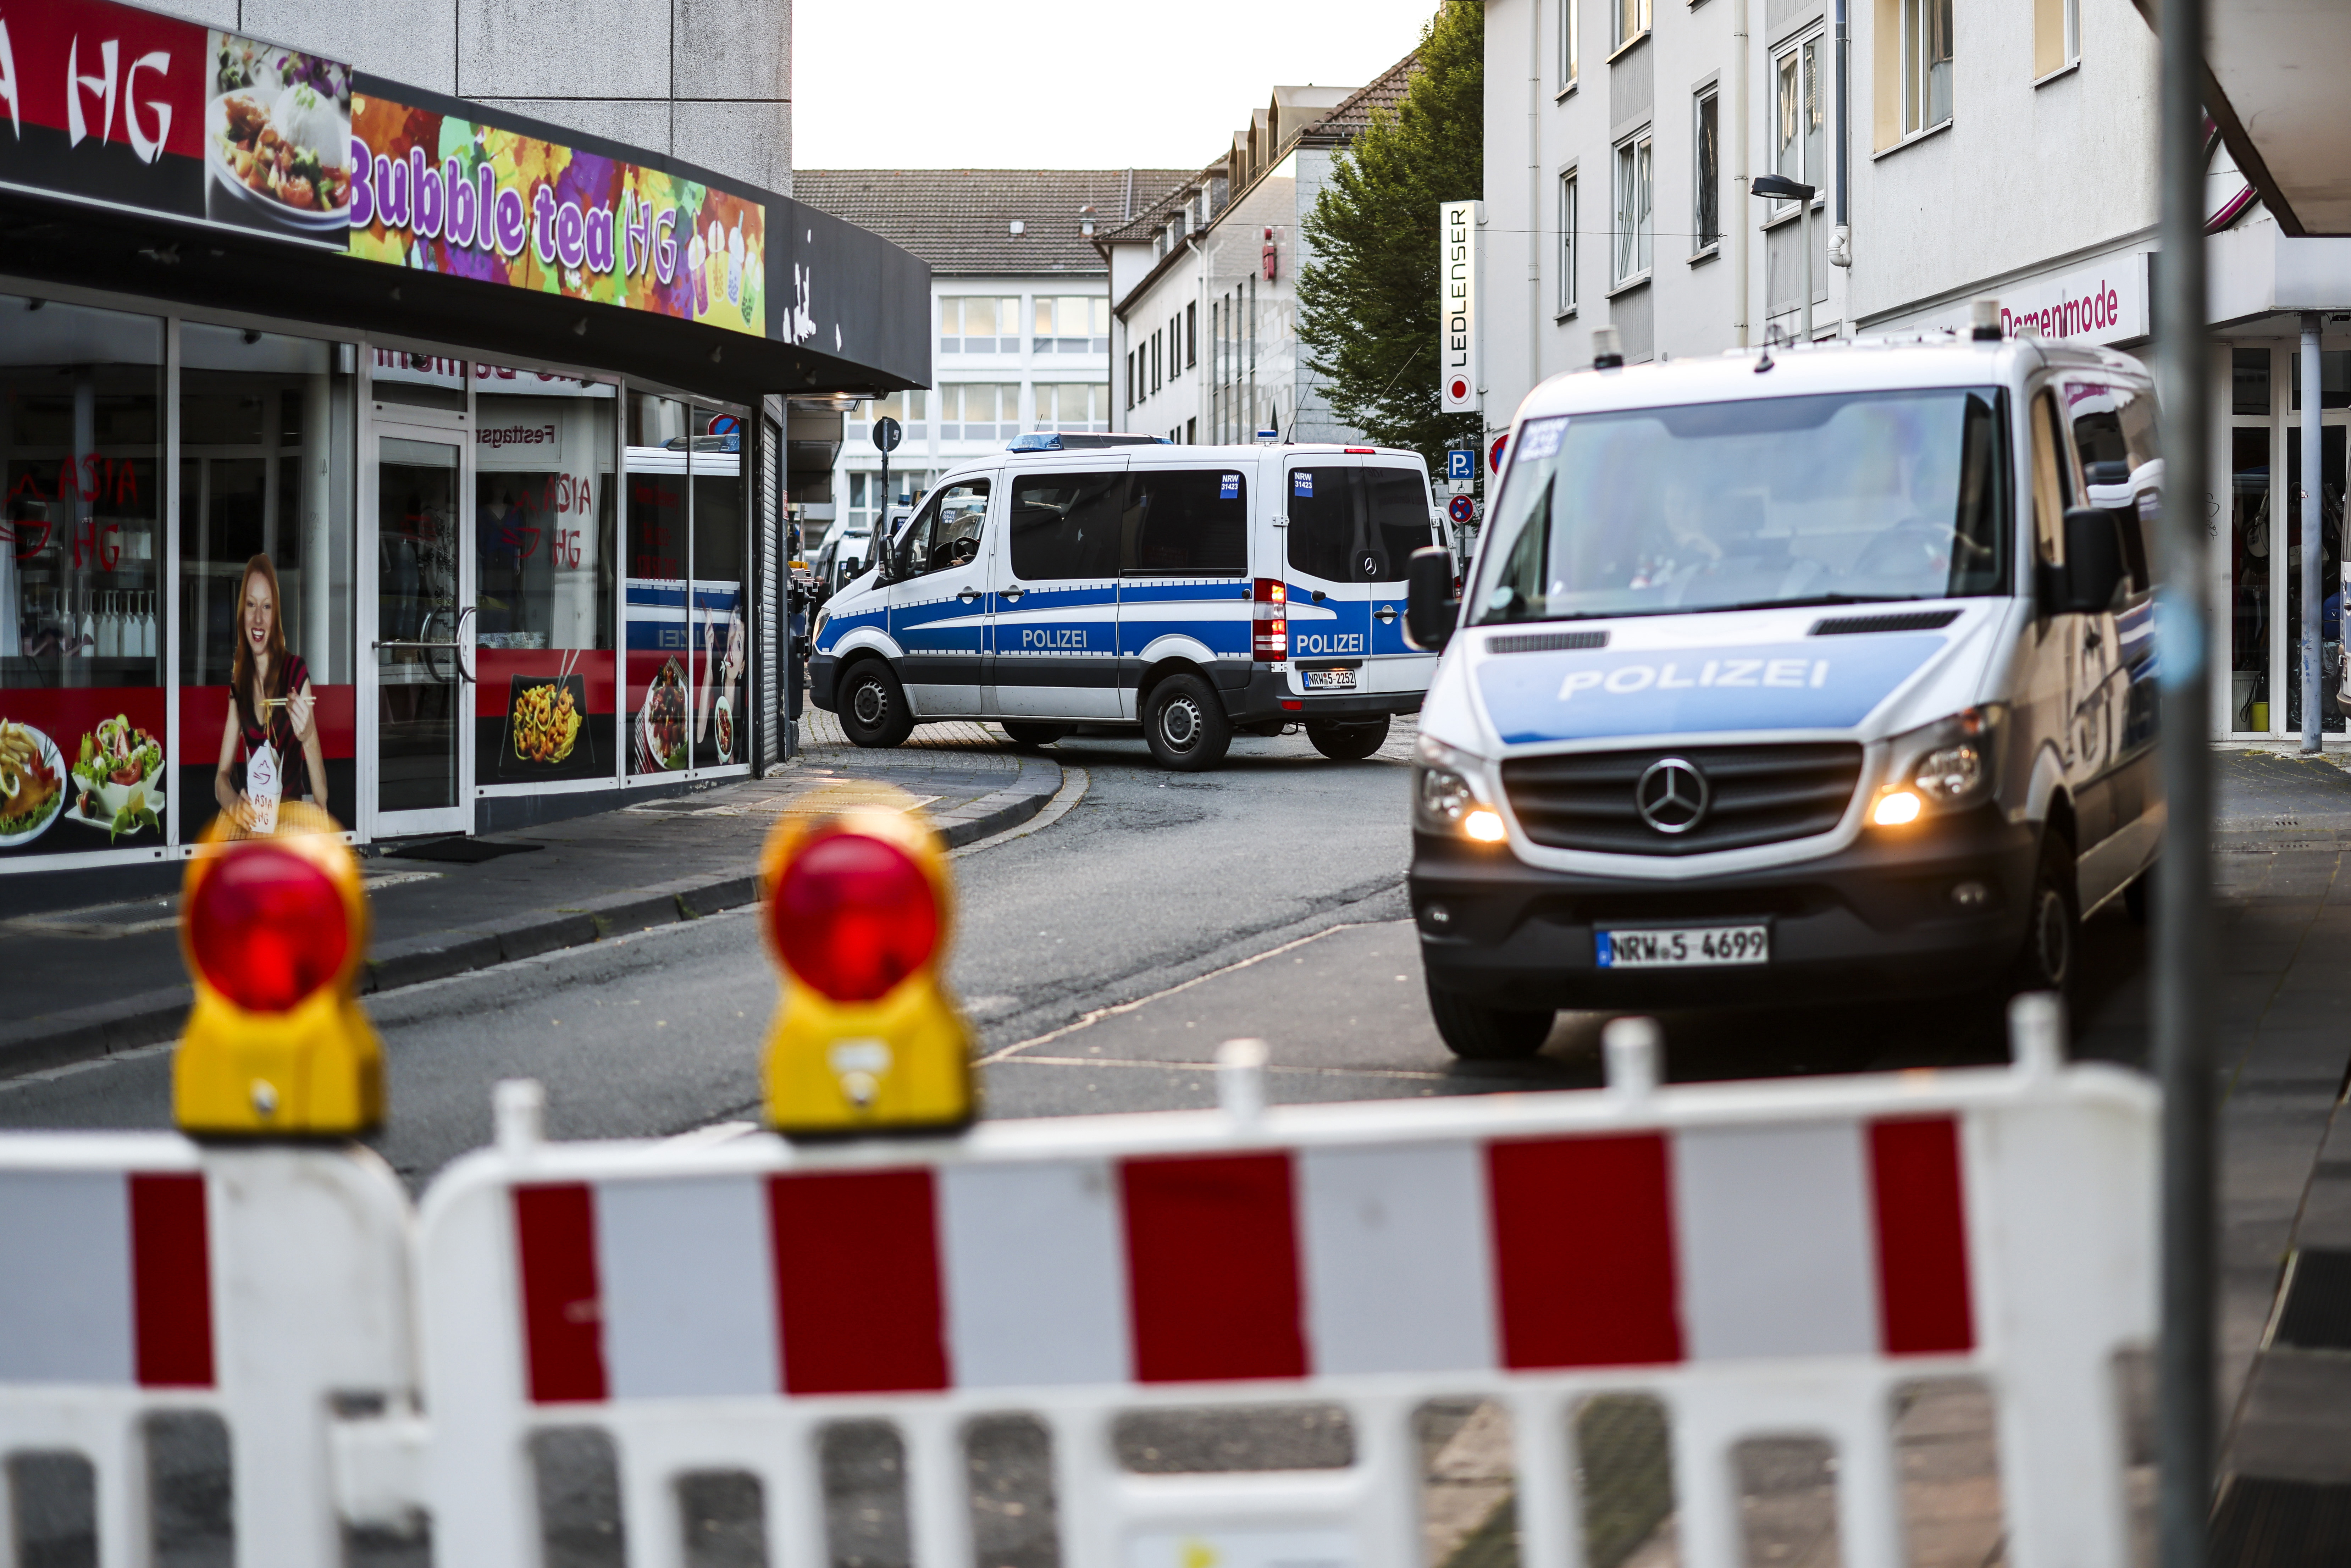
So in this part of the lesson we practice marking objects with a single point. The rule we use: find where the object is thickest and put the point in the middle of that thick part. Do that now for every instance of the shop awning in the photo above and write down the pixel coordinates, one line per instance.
(2273, 88)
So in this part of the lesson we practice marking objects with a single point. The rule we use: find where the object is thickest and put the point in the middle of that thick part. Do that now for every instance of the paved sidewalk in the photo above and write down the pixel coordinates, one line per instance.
(89, 980)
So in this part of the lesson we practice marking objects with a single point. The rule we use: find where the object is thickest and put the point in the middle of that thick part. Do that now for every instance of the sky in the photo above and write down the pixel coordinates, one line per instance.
(1066, 84)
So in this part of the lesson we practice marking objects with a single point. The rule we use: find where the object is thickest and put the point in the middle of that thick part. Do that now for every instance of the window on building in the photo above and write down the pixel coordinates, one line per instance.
(910, 409)
(1633, 20)
(1567, 242)
(2056, 35)
(1155, 361)
(1174, 347)
(979, 410)
(1130, 378)
(1799, 127)
(1071, 324)
(979, 324)
(1191, 433)
(1192, 333)
(1633, 222)
(1071, 405)
(1569, 15)
(1926, 64)
(1707, 209)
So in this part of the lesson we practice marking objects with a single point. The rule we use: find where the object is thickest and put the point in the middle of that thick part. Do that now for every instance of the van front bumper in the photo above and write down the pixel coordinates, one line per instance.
(824, 669)
(1874, 920)
(1256, 693)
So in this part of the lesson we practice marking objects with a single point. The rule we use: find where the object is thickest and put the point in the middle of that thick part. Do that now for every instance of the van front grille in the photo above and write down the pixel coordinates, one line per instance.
(1753, 795)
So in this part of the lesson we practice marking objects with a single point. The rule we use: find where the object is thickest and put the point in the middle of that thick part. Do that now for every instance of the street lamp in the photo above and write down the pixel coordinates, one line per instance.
(1780, 188)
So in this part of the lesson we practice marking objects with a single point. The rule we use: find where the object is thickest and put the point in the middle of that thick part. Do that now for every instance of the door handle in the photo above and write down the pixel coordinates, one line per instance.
(1384, 613)
(969, 596)
(1012, 595)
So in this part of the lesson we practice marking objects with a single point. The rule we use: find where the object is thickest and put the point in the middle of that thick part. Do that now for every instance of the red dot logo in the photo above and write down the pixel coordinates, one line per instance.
(1458, 390)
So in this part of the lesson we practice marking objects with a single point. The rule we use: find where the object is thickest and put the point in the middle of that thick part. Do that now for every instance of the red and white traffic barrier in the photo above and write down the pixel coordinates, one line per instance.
(1761, 1257)
(145, 1275)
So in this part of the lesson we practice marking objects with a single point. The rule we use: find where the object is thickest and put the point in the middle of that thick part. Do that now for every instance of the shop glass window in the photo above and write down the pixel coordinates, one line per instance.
(267, 433)
(656, 666)
(81, 558)
(1798, 122)
(979, 410)
(1356, 525)
(1926, 64)
(1071, 324)
(1187, 523)
(2249, 375)
(1071, 405)
(2333, 377)
(547, 572)
(979, 324)
(2330, 576)
(419, 380)
(1632, 216)
(720, 631)
(1066, 525)
(2250, 535)
(1707, 176)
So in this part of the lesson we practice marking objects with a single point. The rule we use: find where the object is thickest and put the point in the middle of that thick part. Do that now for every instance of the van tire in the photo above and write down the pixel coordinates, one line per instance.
(2051, 952)
(1476, 1032)
(1028, 735)
(1348, 740)
(1185, 724)
(873, 710)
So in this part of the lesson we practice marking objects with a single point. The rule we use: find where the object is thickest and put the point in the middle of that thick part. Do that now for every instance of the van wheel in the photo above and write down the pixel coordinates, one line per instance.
(1348, 740)
(1185, 724)
(1024, 734)
(1476, 1032)
(2053, 925)
(873, 709)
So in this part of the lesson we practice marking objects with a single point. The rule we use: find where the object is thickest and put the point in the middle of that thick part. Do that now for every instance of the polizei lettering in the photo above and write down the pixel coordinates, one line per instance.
(1306, 644)
(1054, 637)
(1683, 675)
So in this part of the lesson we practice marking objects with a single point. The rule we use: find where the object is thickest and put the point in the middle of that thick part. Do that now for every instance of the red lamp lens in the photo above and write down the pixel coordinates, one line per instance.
(268, 928)
(854, 916)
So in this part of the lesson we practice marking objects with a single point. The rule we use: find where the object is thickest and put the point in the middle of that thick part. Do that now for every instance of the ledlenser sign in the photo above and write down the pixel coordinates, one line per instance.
(1460, 372)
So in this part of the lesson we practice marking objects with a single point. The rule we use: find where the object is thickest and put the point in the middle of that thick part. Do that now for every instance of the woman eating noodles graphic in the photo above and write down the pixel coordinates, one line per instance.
(271, 708)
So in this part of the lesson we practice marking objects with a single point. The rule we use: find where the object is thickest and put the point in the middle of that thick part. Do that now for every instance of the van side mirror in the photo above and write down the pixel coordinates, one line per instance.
(2095, 564)
(1431, 607)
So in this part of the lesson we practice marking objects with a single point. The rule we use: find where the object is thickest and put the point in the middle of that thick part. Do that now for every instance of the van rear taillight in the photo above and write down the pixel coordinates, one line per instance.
(1268, 619)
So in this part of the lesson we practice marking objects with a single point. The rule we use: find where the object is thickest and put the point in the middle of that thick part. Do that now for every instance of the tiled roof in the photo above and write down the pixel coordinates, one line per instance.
(1343, 122)
(960, 220)
(1147, 219)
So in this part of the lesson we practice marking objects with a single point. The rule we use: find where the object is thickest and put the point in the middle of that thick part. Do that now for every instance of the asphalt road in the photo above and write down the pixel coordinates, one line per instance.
(1104, 955)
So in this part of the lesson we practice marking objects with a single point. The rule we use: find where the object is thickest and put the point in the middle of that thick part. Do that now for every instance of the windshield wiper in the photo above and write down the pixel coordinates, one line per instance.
(1809, 599)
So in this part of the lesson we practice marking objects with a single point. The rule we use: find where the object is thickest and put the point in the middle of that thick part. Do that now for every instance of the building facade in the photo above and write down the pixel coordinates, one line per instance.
(1957, 151)
(1204, 282)
(1020, 317)
(490, 414)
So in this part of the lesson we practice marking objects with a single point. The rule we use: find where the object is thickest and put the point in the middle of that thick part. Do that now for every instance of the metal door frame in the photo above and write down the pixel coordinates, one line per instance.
(439, 427)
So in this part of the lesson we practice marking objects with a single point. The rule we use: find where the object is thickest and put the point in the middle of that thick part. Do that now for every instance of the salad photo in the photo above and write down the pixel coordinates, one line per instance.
(662, 737)
(120, 778)
(32, 783)
(277, 135)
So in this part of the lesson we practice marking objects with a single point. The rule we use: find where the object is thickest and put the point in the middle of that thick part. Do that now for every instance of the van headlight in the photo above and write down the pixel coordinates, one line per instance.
(1946, 766)
(1448, 794)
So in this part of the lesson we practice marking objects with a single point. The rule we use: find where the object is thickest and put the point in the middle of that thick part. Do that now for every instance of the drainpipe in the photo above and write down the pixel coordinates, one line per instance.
(1534, 201)
(1739, 113)
(2314, 551)
(1841, 236)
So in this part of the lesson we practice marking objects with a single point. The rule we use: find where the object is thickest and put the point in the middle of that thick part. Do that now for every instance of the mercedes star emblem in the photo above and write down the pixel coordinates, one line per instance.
(1672, 795)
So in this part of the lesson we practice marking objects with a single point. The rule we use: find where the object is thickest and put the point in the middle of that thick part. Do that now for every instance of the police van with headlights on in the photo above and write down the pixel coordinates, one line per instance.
(1819, 673)
(1193, 591)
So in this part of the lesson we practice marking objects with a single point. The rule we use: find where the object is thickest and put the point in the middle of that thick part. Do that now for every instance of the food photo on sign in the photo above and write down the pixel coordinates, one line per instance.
(278, 138)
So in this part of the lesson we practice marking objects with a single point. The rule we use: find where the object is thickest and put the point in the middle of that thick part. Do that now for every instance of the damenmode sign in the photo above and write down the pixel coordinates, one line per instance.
(1458, 368)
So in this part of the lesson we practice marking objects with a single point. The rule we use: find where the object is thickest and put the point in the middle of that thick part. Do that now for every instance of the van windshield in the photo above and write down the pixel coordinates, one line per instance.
(1832, 499)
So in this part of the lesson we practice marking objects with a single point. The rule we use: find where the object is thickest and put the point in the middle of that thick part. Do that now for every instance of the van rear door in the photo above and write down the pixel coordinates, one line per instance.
(1354, 522)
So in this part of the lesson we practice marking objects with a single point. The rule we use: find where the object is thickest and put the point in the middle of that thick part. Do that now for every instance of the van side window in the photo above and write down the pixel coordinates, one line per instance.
(1066, 525)
(2107, 463)
(945, 533)
(1187, 522)
(2052, 480)
(1356, 525)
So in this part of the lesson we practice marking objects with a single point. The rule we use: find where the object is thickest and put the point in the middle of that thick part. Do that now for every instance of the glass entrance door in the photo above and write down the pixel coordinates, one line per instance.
(420, 750)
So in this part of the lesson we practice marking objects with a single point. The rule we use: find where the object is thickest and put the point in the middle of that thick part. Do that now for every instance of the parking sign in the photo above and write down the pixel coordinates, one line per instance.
(1460, 463)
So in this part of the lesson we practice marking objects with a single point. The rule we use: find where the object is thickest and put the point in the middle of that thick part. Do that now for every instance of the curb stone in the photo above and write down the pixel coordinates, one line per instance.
(150, 1018)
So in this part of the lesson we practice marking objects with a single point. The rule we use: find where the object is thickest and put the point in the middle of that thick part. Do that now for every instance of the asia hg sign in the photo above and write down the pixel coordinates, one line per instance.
(1461, 244)
(107, 103)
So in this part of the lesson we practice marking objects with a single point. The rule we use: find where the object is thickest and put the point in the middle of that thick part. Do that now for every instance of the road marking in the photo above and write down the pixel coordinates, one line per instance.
(1299, 1070)
(1087, 1020)
(67, 1069)
(1073, 789)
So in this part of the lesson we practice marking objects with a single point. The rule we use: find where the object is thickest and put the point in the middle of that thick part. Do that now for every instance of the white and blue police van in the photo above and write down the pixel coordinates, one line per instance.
(1822, 673)
(1193, 592)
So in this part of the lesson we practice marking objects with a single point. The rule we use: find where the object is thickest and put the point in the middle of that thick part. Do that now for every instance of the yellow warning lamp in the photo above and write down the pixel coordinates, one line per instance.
(273, 929)
(868, 1037)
